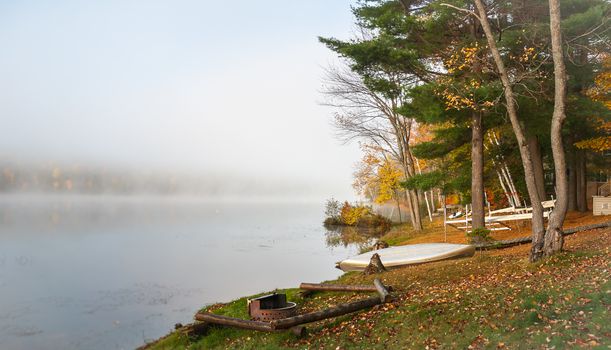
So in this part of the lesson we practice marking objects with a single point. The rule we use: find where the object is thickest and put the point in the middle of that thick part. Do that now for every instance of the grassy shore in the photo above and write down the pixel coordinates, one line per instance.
(495, 299)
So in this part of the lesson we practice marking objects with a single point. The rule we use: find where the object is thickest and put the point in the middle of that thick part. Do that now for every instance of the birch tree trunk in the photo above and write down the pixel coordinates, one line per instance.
(506, 173)
(554, 239)
(426, 198)
(502, 182)
(538, 230)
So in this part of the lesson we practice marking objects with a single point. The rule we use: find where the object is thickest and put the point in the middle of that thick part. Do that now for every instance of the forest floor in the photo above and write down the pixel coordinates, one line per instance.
(493, 300)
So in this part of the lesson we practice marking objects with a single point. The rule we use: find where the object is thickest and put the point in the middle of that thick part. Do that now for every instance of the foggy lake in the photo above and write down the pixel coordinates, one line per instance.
(95, 272)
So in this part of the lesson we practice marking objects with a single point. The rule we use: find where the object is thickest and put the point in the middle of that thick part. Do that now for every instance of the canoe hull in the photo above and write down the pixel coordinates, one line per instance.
(408, 255)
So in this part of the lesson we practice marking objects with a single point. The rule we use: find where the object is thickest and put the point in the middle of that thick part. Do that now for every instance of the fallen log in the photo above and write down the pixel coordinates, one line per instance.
(199, 328)
(233, 322)
(528, 239)
(339, 287)
(382, 291)
(208, 320)
(335, 311)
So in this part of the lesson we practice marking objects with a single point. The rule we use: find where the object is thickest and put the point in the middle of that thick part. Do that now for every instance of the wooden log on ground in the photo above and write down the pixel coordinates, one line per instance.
(335, 311)
(198, 328)
(233, 322)
(528, 239)
(338, 287)
(382, 291)
(306, 293)
(570, 231)
(300, 331)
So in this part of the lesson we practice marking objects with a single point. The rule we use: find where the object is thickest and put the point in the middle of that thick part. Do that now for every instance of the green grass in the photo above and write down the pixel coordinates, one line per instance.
(482, 302)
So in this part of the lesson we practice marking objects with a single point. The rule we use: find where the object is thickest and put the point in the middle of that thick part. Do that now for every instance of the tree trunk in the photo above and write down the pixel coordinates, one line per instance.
(412, 213)
(426, 199)
(410, 169)
(334, 311)
(582, 182)
(507, 174)
(477, 172)
(502, 182)
(417, 221)
(411, 195)
(571, 170)
(399, 207)
(535, 150)
(428, 206)
(538, 230)
(554, 239)
(433, 207)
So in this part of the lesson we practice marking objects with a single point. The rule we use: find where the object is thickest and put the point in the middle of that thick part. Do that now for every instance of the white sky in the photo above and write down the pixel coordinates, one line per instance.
(207, 87)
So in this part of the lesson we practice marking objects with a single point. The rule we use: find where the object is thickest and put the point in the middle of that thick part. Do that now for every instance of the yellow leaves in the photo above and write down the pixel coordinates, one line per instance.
(462, 59)
(528, 54)
(389, 177)
(596, 144)
(488, 104)
(460, 94)
(458, 102)
(350, 214)
(377, 177)
(601, 91)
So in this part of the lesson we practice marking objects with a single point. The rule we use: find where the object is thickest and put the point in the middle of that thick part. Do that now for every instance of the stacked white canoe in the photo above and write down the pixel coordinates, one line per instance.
(408, 255)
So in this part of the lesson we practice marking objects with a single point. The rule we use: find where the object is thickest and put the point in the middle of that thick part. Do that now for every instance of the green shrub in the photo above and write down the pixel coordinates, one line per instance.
(480, 235)
(374, 220)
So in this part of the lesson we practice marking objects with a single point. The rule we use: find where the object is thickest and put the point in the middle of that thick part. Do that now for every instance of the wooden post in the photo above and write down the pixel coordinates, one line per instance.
(338, 310)
(466, 218)
(375, 265)
(382, 291)
(445, 216)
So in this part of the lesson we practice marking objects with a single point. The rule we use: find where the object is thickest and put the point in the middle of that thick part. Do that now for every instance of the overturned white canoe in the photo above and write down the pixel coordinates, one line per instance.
(408, 254)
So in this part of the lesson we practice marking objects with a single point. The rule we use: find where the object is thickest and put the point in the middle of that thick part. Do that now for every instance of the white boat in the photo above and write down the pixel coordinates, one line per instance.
(408, 255)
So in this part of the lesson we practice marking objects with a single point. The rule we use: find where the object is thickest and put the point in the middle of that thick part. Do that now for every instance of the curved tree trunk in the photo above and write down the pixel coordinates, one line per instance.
(538, 230)
(412, 195)
(553, 237)
(417, 219)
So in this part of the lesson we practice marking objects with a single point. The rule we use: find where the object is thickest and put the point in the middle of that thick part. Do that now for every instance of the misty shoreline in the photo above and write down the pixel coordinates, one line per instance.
(141, 198)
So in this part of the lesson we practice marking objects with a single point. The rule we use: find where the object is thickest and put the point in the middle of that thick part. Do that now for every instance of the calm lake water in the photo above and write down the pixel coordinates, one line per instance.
(113, 272)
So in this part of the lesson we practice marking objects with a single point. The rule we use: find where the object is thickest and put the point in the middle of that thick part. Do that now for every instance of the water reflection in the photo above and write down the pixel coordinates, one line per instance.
(345, 236)
(113, 272)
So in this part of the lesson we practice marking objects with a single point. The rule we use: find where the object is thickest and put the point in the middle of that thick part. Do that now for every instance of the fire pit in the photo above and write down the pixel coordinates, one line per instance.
(271, 307)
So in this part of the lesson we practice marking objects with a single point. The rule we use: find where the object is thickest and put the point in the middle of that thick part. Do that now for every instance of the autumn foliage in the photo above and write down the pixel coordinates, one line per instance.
(601, 92)
(348, 214)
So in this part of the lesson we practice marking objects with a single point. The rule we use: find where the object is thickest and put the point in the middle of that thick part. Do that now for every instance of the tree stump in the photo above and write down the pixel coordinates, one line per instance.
(375, 265)
(380, 245)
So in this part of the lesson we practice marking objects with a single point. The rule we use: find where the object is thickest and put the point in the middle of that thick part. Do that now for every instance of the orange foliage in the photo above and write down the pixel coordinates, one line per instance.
(601, 91)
